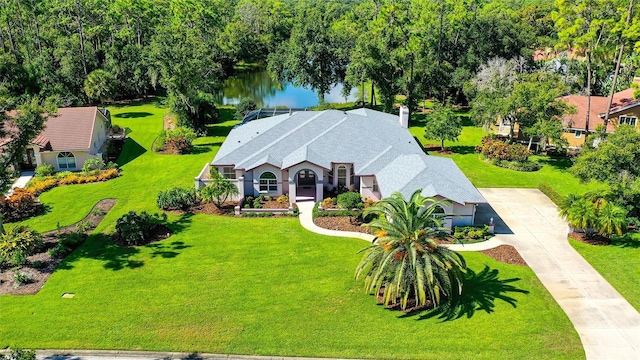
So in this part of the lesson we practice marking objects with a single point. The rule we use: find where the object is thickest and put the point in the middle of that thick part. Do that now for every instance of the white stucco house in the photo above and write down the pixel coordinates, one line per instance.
(302, 153)
(70, 137)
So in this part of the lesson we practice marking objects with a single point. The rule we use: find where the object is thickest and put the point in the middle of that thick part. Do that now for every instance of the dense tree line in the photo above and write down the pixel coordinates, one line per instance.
(186, 48)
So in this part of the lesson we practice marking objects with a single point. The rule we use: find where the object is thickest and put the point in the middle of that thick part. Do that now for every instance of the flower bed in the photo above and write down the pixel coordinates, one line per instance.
(38, 185)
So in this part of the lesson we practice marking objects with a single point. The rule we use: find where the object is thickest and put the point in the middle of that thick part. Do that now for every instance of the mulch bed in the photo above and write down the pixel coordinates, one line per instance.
(272, 204)
(595, 239)
(168, 150)
(506, 254)
(342, 223)
(436, 149)
(49, 263)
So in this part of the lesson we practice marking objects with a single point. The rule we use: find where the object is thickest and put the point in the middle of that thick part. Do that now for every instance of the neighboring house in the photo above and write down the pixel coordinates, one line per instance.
(70, 137)
(624, 110)
(304, 153)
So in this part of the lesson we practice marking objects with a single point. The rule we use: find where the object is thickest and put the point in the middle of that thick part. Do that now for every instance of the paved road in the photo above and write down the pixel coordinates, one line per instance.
(608, 325)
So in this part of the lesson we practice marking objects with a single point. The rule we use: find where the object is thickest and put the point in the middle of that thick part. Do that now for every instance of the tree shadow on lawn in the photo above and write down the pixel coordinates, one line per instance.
(462, 149)
(218, 130)
(479, 293)
(203, 148)
(625, 241)
(558, 162)
(115, 257)
(132, 115)
(130, 152)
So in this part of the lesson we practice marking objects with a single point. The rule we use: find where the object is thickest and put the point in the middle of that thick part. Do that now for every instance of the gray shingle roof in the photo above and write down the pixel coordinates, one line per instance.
(374, 142)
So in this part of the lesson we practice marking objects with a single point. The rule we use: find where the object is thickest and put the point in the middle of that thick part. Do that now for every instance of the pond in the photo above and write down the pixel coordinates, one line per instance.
(266, 92)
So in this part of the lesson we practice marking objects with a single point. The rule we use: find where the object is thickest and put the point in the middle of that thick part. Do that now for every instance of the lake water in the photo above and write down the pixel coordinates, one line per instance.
(259, 86)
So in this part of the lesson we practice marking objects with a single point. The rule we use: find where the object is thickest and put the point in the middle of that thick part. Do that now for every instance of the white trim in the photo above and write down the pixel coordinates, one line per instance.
(58, 157)
(270, 182)
(578, 134)
(627, 120)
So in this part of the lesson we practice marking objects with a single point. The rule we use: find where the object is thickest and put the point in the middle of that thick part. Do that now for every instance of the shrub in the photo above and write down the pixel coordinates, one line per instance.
(63, 174)
(20, 239)
(136, 229)
(176, 199)
(181, 138)
(245, 106)
(66, 244)
(37, 264)
(83, 226)
(4, 262)
(19, 258)
(551, 194)
(160, 141)
(498, 149)
(350, 200)
(45, 170)
(472, 232)
(283, 199)
(21, 278)
(38, 186)
(525, 166)
(327, 203)
(19, 354)
(94, 163)
(108, 174)
(20, 205)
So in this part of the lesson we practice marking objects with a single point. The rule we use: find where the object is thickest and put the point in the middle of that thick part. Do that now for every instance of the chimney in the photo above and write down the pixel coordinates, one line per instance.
(404, 117)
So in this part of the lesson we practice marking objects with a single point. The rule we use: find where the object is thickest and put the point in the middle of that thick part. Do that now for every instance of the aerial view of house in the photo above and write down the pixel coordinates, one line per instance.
(306, 153)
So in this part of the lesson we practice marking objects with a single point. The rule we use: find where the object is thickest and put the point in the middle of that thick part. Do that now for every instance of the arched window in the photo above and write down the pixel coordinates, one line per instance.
(268, 182)
(438, 212)
(342, 175)
(66, 160)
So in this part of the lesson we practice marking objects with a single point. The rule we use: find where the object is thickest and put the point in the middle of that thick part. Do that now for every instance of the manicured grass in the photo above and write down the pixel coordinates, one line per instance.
(482, 174)
(617, 263)
(252, 285)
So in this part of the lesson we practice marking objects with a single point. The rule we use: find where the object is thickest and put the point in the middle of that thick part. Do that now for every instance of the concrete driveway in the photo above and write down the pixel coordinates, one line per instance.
(608, 325)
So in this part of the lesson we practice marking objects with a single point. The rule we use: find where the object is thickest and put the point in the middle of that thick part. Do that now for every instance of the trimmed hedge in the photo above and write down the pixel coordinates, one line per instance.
(551, 194)
(524, 166)
(325, 213)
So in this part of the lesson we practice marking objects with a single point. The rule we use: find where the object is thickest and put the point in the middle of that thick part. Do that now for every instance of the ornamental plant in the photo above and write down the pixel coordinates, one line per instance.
(405, 261)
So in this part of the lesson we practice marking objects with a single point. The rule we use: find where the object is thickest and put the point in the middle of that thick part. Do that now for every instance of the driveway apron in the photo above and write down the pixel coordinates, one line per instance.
(608, 325)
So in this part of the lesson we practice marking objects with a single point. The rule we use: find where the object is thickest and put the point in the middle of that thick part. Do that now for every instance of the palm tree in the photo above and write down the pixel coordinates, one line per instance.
(582, 214)
(405, 260)
(611, 219)
(566, 204)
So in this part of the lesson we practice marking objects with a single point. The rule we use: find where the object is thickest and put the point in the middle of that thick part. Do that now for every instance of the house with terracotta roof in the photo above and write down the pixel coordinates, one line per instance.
(304, 153)
(69, 138)
(624, 110)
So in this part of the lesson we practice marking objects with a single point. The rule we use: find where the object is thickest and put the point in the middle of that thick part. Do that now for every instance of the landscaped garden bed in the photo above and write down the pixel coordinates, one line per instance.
(342, 223)
(29, 277)
(265, 202)
(506, 254)
(509, 156)
(176, 141)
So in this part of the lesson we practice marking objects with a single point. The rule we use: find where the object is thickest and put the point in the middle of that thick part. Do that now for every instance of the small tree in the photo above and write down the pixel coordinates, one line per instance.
(218, 190)
(443, 124)
(245, 106)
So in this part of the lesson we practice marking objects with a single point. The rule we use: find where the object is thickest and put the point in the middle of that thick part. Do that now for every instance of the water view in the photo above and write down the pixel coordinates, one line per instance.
(266, 92)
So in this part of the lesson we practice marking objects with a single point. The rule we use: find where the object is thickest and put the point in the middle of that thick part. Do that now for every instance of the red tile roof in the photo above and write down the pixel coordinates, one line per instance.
(621, 100)
(68, 129)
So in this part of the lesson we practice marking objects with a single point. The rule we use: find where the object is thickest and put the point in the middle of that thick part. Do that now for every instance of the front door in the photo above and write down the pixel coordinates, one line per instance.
(30, 159)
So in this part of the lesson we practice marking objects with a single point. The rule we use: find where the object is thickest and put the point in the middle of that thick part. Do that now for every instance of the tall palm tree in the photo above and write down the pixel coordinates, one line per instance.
(405, 260)
(611, 219)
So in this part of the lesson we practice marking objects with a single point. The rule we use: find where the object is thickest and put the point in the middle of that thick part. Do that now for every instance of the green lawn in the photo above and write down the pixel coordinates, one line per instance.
(482, 174)
(253, 285)
(618, 263)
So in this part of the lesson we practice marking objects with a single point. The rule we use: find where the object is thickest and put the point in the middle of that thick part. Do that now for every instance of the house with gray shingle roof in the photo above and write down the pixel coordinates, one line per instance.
(305, 153)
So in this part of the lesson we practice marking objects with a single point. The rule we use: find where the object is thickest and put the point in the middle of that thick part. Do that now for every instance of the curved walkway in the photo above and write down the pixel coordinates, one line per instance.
(608, 325)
